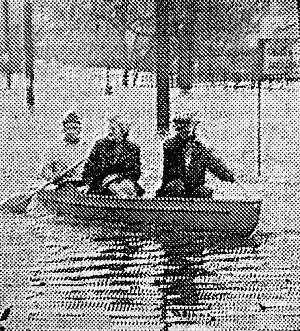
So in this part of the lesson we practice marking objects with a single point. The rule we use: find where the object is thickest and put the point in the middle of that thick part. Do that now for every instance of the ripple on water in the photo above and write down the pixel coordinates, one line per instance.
(79, 280)
(95, 282)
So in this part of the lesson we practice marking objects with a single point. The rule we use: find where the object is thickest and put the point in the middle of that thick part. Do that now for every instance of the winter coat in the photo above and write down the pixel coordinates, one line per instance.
(188, 161)
(110, 157)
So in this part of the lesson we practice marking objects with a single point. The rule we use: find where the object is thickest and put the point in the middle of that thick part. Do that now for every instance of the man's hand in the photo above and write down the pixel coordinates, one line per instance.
(109, 179)
(83, 189)
(125, 189)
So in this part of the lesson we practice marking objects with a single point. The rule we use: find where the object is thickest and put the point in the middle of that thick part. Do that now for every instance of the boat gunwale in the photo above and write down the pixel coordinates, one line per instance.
(85, 209)
(98, 202)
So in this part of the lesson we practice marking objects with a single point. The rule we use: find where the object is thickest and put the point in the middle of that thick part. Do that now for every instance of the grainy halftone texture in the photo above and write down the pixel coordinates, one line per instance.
(57, 275)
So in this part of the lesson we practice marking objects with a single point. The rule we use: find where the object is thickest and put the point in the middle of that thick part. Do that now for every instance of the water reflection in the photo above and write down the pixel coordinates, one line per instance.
(91, 278)
(196, 293)
(86, 281)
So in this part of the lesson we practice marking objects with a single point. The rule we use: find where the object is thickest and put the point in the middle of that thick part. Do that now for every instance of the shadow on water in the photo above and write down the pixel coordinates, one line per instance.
(192, 287)
(111, 277)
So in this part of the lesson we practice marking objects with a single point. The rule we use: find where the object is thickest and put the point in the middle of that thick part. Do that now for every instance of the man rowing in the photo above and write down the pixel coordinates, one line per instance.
(185, 163)
(113, 167)
(66, 152)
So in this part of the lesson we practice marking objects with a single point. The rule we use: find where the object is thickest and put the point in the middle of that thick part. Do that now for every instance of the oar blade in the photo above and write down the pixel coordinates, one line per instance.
(16, 204)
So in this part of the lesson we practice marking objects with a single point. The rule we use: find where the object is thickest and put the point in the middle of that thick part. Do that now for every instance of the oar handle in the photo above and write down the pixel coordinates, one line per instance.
(19, 203)
(65, 173)
(56, 180)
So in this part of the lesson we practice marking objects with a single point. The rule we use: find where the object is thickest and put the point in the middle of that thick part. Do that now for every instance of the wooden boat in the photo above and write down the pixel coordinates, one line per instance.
(156, 215)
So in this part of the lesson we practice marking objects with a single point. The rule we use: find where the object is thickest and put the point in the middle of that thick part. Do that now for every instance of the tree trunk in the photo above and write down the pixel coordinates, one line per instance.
(7, 42)
(121, 14)
(29, 53)
(186, 42)
(163, 70)
(298, 7)
(260, 75)
(108, 87)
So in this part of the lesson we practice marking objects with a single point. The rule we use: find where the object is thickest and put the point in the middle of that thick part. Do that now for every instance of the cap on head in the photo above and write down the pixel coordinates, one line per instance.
(183, 119)
(71, 117)
(124, 125)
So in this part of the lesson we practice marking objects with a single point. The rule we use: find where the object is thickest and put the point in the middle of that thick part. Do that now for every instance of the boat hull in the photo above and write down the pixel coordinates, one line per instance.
(158, 216)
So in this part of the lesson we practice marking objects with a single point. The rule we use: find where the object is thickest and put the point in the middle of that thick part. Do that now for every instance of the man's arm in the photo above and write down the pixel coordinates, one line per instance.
(90, 166)
(47, 172)
(47, 165)
(132, 170)
(218, 168)
(169, 170)
(166, 169)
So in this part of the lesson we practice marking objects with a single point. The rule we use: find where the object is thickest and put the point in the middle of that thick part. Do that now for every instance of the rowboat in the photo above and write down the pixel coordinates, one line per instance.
(154, 215)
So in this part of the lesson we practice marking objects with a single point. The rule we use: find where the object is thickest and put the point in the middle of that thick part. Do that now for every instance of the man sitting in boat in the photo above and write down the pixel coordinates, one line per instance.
(66, 152)
(185, 163)
(114, 167)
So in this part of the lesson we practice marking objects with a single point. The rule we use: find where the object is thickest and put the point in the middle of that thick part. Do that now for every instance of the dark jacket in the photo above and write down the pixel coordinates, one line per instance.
(202, 159)
(109, 157)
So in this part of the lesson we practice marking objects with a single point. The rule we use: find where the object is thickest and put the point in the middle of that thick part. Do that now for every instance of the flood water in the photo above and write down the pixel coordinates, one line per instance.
(63, 277)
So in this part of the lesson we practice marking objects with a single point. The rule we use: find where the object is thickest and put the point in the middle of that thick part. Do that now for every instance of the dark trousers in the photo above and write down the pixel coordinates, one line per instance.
(176, 189)
(106, 191)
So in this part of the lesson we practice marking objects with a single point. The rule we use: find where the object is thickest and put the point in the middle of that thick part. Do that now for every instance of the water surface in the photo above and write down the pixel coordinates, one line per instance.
(96, 278)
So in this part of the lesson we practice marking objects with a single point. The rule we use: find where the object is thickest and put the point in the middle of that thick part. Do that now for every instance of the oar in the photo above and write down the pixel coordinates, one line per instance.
(18, 203)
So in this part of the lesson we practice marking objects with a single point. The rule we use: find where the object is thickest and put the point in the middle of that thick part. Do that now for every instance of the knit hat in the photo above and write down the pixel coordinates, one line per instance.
(71, 117)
